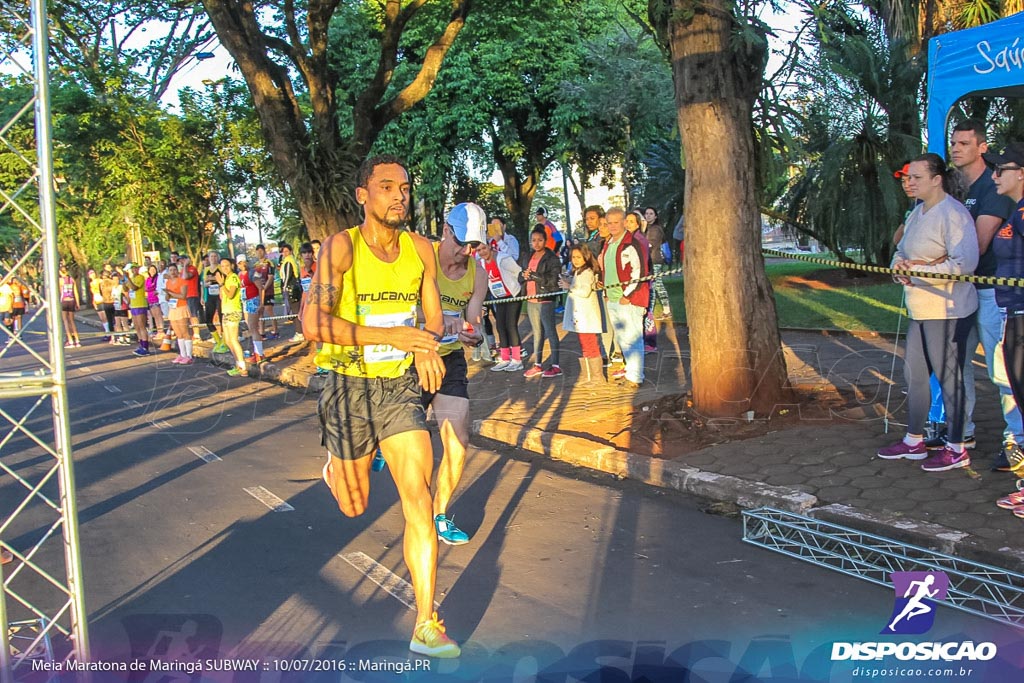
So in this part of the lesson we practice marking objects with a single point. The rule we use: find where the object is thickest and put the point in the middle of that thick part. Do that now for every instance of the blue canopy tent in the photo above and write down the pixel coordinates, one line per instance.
(983, 61)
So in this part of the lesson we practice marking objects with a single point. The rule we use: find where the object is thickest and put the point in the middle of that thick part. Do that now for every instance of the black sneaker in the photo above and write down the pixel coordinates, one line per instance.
(1009, 459)
(937, 443)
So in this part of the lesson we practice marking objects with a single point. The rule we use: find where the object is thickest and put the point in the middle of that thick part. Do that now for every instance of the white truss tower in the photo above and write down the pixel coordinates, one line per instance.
(42, 607)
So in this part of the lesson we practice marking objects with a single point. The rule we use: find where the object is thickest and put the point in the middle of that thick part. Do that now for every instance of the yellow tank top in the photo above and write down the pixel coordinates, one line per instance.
(455, 296)
(376, 294)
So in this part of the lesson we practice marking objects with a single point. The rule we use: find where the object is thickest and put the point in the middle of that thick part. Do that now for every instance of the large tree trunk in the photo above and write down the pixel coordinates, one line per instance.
(518, 192)
(519, 195)
(301, 128)
(737, 362)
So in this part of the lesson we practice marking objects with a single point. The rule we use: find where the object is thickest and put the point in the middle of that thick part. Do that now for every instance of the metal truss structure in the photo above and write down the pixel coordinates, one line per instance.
(42, 608)
(979, 589)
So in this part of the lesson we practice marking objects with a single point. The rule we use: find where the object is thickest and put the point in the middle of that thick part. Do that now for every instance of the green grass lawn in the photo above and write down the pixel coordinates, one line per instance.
(852, 307)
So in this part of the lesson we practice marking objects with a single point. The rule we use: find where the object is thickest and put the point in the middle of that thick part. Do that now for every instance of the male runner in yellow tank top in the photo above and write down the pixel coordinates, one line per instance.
(463, 288)
(362, 305)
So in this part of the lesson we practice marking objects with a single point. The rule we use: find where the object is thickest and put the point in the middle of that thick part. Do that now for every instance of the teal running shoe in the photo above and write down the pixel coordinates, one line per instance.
(448, 532)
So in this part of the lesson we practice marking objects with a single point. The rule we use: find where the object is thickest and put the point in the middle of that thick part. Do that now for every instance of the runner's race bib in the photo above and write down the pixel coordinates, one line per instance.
(383, 353)
(497, 289)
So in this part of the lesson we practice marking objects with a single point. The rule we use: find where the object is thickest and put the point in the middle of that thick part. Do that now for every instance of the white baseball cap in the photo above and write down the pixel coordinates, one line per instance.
(468, 222)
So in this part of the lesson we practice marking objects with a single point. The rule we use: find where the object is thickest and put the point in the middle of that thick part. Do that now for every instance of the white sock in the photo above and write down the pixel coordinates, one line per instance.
(956, 447)
(240, 365)
(188, 347)
(912, 440)
(258, 346)
(181, 348)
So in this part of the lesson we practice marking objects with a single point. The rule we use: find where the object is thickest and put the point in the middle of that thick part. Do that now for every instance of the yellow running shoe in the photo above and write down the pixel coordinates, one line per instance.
(428, 638)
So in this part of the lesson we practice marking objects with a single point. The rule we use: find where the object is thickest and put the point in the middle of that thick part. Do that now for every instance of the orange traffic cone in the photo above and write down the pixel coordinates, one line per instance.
(166, 344)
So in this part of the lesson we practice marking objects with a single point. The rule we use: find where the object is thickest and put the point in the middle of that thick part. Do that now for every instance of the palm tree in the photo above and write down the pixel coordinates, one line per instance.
(859, 120)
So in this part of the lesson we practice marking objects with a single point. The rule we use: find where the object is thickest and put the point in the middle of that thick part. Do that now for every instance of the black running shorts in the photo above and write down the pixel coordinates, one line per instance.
(195, 306)
(456, 378)
(357, 413)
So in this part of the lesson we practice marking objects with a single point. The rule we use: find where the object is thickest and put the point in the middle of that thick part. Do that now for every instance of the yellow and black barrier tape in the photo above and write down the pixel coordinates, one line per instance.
(976, 279)
(560, 292)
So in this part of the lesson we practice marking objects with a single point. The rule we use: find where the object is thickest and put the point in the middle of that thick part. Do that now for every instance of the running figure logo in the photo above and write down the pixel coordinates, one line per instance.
(917, 593)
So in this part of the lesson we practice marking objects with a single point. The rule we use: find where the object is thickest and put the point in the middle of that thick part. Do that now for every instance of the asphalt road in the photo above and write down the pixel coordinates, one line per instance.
(180, 560)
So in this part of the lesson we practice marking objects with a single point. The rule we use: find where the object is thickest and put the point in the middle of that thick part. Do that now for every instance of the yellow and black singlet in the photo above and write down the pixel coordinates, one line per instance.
(376, 294)
(455, 296)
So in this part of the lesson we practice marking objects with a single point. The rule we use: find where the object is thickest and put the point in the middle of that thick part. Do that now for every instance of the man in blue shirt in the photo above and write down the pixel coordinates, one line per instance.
(990, 211)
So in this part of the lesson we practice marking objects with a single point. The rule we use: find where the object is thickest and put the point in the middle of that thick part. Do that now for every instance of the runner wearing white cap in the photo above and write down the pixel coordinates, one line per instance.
(463, 287)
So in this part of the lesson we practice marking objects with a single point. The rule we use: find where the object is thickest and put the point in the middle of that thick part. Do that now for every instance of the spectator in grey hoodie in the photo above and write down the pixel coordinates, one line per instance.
(940, 238)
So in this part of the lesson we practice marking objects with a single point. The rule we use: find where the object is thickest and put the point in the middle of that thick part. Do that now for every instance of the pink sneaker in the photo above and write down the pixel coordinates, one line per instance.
(946, 459)
(534, 371)
(179, 360)
(187, 361)
(901, 450)
(1019, 511)
(1011, 501)
(553, 371)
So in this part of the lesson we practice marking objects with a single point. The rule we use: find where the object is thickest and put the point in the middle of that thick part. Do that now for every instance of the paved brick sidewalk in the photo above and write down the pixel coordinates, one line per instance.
(825, 467)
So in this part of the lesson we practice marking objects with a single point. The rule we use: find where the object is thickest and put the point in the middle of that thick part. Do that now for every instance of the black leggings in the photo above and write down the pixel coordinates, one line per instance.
(1013, 354)
(506, 322)
(212, 309)
(488, 327)
(108, 310)
(940, 348)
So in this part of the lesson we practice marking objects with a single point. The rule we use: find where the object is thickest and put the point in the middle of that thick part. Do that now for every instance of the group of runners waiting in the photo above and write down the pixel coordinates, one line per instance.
(15, 296)
(174, 301)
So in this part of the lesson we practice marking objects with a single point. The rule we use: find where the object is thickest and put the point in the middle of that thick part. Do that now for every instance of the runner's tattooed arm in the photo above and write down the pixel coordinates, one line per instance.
(325, 294)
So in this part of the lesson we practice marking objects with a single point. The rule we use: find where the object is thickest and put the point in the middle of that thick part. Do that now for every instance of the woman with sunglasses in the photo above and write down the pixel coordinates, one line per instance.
(940, 238)
(1008, 247)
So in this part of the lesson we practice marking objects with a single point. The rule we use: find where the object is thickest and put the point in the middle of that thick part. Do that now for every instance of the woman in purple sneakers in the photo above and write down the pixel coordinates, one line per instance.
(939, 238)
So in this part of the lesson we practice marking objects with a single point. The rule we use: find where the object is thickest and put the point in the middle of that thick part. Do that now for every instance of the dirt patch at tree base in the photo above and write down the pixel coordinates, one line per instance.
(670, 426)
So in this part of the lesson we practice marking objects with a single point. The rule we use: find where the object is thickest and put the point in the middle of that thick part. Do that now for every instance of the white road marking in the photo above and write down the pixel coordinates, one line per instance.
(160, 424)
(99, 378)
(204, 454)
(75, 362)
(269, 499)
(397, 587)
(132, 403)
(112, 389)
(85, 369)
